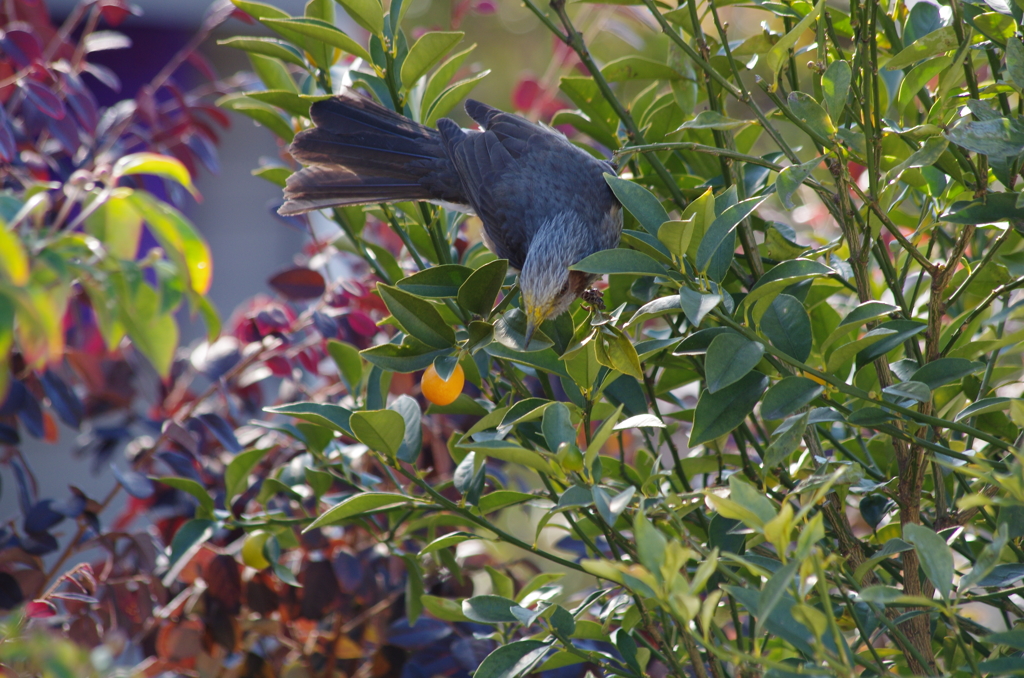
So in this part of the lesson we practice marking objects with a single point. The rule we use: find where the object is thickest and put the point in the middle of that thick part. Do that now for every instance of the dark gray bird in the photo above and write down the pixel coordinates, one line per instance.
(544, 203)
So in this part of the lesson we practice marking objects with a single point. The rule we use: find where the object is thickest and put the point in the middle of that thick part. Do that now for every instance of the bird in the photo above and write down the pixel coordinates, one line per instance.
(544, 202)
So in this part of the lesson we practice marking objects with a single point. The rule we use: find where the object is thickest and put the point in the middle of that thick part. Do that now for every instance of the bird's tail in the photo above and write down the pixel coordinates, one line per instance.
(361, 153)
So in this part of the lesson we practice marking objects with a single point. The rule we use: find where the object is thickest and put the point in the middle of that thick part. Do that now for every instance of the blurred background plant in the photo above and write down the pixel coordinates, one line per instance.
(789, 447)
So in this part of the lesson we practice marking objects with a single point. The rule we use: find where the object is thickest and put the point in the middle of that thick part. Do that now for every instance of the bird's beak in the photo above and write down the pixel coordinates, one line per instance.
(531, 327)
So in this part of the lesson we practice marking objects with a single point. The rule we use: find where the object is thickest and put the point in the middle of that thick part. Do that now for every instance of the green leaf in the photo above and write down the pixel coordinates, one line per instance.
(290, 102)
(778, 279)
(178, 238)
(639, 202)
(334, 417)
(994, 207)
(268, 47)
(779, 53)
(538, 581)
(508, 451)
(546, 360)
(321, 31)
(512, 660)
(676, 236)
(610, 508)
(917, 79)
(616, 351)
(787, 442)
(719, 413)
(696, 305)
(788, 327)
(437, 281)
(557, 426)
(788, 396)
(620, 261)
(446, 541)
(155, 164)
(490, 609)
(601, 437)
(997, 138)
(193, 488)
(417, 317)
(357, 505)
(438, 82)
(451, 96)
(510, 331)
(260, 10)
(904, 329)
(912, 390)
(729, 358)
(811, 114)
(14, 263)
(350, 365)
(835, 88)
(263, 113)
(655, 309)
(186, 542)
(650, 544)
(869, 310)
(413, 589)
(426, 53)
(945, 370)
(847, 351)
(381, 430)
(444, 608)
(367, 13)
(481, 288)
(774, 588)
(984, 406)
(156, 336)
(720, 231)
(745, 494)
(936, 556)
(236, 475)
(275, 77)
(1015, 62)
(638, 68)
(412, 438)
(495, 501)
(936, 42)
(409, 356)
(1013, 638)
(714, 120)
(790, 179)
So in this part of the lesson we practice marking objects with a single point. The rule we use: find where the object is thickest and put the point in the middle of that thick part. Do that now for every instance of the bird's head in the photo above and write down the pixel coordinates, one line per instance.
(548, 287)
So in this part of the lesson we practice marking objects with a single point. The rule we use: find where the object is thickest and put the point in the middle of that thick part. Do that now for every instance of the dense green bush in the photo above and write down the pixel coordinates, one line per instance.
(866, 368)
(790, 445)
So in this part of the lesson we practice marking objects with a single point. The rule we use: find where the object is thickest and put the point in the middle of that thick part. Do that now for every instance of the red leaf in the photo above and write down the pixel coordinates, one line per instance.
(204, 67)
(361, 323)
(40, 609)
(27, 44)
(298, 284)
(242, 16)
(45, 100)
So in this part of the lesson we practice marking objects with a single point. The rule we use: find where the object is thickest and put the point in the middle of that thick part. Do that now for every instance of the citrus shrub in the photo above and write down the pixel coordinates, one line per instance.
(820, 475)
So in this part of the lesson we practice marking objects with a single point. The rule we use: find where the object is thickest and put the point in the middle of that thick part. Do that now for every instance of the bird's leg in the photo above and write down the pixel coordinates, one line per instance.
(594, 298)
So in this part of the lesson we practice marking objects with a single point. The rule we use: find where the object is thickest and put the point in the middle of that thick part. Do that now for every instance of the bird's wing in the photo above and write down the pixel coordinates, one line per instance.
(518, 175)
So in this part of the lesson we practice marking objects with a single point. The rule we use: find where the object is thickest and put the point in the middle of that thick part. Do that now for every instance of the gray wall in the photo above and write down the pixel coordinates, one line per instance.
(247, 242)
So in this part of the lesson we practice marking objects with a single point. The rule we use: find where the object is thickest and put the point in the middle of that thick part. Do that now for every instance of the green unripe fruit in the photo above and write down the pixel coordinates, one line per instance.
(570, 457)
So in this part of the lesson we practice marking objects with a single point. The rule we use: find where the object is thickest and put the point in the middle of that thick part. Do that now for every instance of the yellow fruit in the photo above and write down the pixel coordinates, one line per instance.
(252, 551)
(441, 392)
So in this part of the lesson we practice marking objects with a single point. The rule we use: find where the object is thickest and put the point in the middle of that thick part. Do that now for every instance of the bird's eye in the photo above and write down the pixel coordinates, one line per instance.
(565, 289)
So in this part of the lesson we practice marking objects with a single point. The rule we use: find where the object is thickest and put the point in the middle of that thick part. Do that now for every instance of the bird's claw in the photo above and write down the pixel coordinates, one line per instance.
(593, 297)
